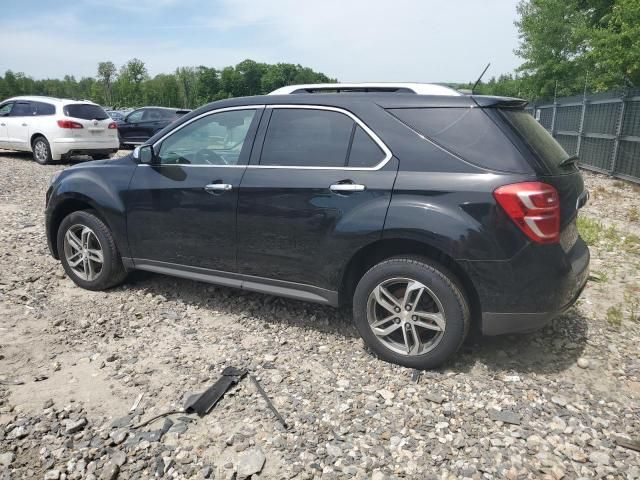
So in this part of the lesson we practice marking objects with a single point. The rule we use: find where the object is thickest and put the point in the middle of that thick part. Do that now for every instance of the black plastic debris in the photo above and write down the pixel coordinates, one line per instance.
(269, 403)
(415, 376)
(203, 403)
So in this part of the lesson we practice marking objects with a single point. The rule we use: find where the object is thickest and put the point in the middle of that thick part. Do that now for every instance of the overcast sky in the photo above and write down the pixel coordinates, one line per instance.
(352, 40)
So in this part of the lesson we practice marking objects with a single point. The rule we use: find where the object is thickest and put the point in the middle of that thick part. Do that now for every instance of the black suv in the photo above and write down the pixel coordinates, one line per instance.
(141, 124)
(424, 213)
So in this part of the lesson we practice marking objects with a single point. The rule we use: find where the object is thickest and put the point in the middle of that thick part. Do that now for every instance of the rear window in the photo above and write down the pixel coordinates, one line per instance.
(468, 133)
(85, 111)
(548, 150)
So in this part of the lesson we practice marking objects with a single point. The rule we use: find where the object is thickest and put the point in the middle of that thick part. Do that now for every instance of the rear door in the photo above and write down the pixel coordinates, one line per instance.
(18, 125)
(129, 130)
(182, 209)
(94, 120)
(317, 190)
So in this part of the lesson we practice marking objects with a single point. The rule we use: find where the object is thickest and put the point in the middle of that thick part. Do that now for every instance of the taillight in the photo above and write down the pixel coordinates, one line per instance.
(534, 207)
(113, 126)
(69, 124)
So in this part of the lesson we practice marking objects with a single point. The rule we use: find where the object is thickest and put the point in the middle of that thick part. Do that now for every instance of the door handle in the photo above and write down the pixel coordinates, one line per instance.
(218, 187)
(347, 187)
(3, 124)
(24, 124)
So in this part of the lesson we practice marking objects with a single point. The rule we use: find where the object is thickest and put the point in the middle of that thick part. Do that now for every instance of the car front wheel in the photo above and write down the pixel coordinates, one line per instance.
(412, 312)
(88, 252)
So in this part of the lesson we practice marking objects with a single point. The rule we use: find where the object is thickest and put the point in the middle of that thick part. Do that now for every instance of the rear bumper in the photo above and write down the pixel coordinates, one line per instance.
(78, 146)
(527, 291)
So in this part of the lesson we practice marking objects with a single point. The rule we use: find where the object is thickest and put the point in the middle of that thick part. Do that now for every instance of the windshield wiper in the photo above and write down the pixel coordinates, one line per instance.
(569, 160)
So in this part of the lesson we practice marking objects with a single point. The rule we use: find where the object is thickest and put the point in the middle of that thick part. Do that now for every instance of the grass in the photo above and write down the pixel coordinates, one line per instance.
(632, 301)
(614, 316)
(633, 215)
(590, 230)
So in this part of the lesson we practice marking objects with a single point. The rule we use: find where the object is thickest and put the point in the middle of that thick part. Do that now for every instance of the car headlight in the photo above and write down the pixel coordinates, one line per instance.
(54, 177)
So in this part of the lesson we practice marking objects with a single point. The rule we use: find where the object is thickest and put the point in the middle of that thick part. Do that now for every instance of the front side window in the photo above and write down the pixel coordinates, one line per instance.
(135, 117)
(216, 139)
(5, 109)
(307, 137)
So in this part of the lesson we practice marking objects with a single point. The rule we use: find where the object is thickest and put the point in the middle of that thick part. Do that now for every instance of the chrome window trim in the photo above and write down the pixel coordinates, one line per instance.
(368, 131)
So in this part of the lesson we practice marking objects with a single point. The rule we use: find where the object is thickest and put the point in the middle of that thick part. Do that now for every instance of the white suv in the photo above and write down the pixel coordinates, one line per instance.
(54, 128)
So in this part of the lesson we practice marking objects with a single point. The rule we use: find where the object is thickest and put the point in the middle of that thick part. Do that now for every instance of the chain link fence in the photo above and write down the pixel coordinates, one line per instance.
(603, 129)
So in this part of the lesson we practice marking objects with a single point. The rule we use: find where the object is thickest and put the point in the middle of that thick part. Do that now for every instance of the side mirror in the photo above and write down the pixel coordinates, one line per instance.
(144, 154)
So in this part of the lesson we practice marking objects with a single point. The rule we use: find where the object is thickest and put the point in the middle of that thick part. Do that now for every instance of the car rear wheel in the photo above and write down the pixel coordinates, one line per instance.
(412, 312)
(41, 150)
(88, 252)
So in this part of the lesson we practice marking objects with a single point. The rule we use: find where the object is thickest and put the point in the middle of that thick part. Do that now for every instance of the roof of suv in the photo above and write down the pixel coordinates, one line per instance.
(42, 98)
(375, 87)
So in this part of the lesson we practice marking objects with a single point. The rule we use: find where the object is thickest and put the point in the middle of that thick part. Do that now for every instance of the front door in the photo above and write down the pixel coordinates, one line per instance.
(319, 193)
(5, 110)
(18, 125)
(182, 208)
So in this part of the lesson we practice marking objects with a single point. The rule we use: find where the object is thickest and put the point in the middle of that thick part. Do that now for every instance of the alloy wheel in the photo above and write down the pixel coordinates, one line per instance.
(406, 316)
(40, 150)
(83, 252)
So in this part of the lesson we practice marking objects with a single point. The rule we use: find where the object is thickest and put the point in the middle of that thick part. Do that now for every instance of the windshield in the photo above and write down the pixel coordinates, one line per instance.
(540, 140)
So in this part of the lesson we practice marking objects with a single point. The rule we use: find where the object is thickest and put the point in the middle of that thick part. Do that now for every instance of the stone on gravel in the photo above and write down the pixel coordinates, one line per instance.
(506, 416)
(110, 471)
(251, 461)
(583, 362)
(6, 458)
(599, 458)
(119, 436)
(75, 426)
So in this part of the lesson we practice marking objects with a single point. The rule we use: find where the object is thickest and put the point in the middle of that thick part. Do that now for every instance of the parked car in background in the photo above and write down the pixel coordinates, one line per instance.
(54, 128)
(424, 213)
(141, 124)
(116, 115)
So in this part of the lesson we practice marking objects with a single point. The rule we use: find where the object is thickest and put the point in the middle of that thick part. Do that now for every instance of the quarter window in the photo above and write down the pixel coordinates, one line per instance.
(41, 108)
(364, 151)
(217, 139)
(307, 137)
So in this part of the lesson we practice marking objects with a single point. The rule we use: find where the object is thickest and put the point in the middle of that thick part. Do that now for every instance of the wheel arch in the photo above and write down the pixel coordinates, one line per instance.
(36, 135)
(385, 248)
(66, 206)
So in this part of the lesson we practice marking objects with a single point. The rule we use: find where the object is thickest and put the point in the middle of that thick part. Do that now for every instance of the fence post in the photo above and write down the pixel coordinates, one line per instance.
(553, 119)
(581, 127)
(616, 142)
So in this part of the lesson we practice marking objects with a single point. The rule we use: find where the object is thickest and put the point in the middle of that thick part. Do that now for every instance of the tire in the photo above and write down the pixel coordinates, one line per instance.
(441, 306)
(101, 156)
(109, 272)
(41, 150)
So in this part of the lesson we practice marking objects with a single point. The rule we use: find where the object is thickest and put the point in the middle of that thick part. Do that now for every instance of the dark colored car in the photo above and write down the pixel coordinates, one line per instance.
(142, 124)
(116, 115)
(424, 213)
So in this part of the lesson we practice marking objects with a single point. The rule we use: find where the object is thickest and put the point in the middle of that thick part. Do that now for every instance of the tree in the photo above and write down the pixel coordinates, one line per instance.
(106, 74)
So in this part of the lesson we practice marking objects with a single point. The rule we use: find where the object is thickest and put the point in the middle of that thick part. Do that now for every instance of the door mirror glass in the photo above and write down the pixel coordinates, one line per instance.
(144, 154)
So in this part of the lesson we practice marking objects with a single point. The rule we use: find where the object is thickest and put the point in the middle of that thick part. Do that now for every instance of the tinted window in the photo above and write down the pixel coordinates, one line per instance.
(5, 109)
(153, 114)
(364, 151)
(541, 141)
(42, 108)
(85, 111)
(216, 139)
(135, 116)
(21, 109)
(467, 132)
(306, 137)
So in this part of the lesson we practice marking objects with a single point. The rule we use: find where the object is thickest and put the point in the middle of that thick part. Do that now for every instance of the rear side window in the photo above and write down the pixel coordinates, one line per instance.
(41, 108)
(467, 132)
(307, 137)
(85, 111)
(22, 109)
(548, 150)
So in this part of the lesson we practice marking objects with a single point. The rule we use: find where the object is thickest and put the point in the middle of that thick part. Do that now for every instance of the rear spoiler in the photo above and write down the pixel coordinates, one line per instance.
(499, 102)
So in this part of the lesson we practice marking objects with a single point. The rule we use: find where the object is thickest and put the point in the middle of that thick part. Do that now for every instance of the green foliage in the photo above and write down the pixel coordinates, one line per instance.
(614, 316)
(590, 230)
(187, 87)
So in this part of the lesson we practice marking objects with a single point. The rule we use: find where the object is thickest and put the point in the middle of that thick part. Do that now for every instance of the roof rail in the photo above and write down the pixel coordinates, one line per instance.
(381, 87)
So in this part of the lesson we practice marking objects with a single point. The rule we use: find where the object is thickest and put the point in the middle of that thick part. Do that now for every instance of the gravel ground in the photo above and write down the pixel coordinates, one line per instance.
(550, 404)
